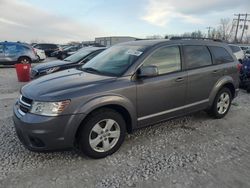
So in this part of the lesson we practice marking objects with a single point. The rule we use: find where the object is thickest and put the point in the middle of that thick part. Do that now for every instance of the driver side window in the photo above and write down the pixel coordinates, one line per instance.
(166, 59)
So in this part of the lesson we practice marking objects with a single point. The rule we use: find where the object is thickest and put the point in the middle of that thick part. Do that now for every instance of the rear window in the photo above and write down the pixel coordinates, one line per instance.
(197, 56)
(221, 55)
(235, 48)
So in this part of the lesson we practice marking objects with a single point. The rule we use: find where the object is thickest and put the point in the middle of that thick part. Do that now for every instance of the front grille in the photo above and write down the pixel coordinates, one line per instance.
(24, 104)
(27, 100)
(23, 109)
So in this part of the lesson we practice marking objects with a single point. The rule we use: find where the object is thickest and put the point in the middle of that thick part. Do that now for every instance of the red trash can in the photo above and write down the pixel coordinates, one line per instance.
(23, 72)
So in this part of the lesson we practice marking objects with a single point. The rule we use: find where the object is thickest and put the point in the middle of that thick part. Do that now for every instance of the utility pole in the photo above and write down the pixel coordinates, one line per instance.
(237, 27)
(209, 31)
(238, 23)
(244, 26)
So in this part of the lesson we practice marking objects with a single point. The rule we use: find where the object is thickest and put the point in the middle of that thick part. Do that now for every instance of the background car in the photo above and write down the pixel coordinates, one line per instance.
(40, 54)
(245, 75)
(238, 52)
(62, 54)
(75, 60)
(245, 48)
(16, 52)
(247, 53)
(48, 48)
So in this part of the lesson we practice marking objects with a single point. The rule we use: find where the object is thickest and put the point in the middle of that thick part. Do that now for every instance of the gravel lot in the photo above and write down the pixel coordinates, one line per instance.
(192, 151)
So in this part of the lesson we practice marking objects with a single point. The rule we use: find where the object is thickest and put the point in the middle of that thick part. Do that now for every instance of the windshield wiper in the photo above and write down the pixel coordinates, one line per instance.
(91, 70)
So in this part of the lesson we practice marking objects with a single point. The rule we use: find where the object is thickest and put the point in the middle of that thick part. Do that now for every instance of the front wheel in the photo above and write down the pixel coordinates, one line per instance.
(102, 133)
(221, 104)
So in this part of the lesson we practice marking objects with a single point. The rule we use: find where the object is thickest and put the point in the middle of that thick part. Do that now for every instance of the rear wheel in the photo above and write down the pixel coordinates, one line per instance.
(221, 104)
(24, 60)
(102, 133)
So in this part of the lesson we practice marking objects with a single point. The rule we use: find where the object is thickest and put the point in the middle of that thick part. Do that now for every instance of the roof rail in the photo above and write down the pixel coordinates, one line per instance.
(195, 38)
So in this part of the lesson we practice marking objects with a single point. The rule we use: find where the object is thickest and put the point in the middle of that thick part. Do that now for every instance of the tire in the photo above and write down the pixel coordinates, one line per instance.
(95, 129)
(219, 112)
(24, 60)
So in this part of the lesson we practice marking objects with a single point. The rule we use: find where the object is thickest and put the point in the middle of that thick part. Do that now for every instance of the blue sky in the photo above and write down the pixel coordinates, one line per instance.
(63, 21)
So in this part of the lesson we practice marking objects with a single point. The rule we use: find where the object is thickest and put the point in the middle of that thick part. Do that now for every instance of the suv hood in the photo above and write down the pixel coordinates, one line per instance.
(63, 85)
(51, 64)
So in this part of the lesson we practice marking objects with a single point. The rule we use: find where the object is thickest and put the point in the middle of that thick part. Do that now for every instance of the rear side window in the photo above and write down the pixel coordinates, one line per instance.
(166, 59)
(235, 48)
(22, 47)
(221, 55)
(197, 56)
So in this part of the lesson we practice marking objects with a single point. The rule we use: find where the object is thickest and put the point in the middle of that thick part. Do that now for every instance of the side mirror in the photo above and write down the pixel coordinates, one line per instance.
(148, 71)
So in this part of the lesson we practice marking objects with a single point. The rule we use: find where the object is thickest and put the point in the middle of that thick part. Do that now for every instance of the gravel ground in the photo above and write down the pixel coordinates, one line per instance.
(192, 151)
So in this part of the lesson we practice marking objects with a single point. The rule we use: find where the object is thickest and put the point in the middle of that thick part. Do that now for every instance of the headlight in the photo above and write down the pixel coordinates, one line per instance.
(49, 108)
(48, 71)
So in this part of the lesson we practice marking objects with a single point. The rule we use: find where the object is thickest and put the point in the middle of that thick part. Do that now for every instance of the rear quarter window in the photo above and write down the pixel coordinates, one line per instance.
(221, 55)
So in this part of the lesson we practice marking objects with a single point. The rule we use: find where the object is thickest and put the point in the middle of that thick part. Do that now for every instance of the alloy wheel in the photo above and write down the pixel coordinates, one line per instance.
(104, 135)
(24, 61)
(223, 103)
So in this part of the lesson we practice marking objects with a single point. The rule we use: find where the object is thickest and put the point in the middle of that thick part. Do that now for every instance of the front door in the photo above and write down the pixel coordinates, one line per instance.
(163, 96)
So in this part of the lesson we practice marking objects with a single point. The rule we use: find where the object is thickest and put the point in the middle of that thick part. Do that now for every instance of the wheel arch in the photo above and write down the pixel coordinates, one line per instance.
(227, 82)
(121, 105)
(24, 56)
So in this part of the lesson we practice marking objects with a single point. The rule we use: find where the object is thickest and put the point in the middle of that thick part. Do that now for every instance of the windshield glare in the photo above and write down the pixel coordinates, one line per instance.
(78, 55)
(115, 60)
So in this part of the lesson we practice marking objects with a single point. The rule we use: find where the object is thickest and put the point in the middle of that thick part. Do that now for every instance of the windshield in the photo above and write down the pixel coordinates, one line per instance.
(114, 61)
(79, 55)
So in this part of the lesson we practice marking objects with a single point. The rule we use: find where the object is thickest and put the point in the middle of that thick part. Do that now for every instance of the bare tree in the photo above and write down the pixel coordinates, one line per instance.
(224, 29)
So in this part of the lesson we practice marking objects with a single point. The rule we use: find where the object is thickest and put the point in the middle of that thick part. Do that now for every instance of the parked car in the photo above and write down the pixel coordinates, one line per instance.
(245, 48)
(75, 60)
(245, 75)
(48, 48)
(238, 52)
(16, 52)
(62, 54)
(128, 86)
(40, 54)
(247, 54)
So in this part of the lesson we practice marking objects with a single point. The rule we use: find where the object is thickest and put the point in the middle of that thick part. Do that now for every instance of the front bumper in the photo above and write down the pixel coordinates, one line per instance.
(43, 133)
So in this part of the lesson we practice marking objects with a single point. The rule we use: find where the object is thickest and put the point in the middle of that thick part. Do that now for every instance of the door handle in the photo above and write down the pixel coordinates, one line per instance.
(179, 79)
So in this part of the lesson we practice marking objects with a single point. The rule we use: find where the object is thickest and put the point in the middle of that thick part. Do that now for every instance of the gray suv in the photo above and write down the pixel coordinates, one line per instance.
(128, 86)
(16, 52)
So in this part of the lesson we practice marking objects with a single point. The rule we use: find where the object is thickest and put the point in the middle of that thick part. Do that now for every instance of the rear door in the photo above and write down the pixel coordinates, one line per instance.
(202, 75)
(11, 52)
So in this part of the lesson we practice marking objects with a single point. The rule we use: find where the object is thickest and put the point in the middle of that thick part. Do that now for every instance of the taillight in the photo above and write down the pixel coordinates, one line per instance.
(239, 65)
